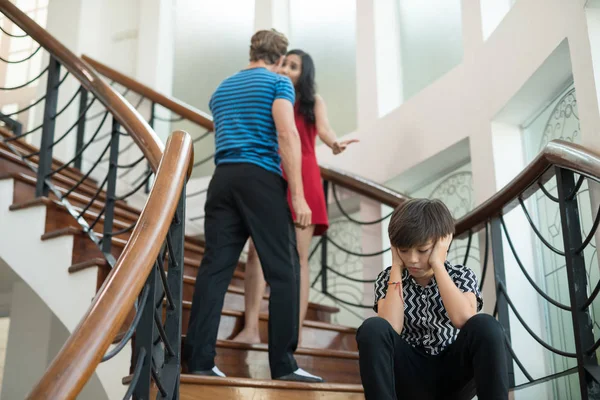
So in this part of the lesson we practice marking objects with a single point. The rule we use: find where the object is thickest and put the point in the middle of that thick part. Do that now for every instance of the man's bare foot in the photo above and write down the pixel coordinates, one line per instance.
(247, 336)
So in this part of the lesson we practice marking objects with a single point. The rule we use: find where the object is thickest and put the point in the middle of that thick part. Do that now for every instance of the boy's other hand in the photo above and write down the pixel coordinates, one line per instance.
(440, 251)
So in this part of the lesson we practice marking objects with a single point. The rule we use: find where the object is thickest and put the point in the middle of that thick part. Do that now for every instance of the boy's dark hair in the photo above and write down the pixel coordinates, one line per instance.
(417, 221)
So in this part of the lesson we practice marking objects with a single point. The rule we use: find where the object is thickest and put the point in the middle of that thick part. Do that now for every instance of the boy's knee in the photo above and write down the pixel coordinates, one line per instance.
(486, 326)
(372, 329)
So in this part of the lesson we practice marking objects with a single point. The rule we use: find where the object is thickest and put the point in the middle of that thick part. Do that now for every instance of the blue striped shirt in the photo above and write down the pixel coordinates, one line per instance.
(244, 127)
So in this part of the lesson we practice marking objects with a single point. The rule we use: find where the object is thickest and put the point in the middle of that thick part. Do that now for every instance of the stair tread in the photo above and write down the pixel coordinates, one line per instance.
(308, 351)
(116, 241)
(31, 180)
(265, 317)
(60, 176)
(273, 384)
(101, 262)
(238, 290)
(91, 214)
(30, 148)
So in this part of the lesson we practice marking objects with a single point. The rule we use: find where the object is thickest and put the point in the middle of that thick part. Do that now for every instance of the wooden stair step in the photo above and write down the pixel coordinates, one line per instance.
(28, 148)
(195, 387)
(315, 334)
(246, 360)
(25, 191)
(84, 248)
(58, 217)
(10, 162)
(234, 300)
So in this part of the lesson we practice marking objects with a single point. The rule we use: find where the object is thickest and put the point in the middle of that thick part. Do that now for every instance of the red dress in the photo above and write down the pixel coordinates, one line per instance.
(311, 175)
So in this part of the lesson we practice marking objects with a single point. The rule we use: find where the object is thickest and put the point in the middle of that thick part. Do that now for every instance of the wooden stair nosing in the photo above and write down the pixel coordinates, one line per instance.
(265, 384)
(91, 215)
(265, 317)
(305, 351)
(240, 291)
(60, 176)
(79, 231)
(30, 149)
(270, 384)
(83, 197)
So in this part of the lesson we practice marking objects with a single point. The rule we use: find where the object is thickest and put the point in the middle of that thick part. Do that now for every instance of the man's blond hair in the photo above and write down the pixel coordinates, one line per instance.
(268, 45)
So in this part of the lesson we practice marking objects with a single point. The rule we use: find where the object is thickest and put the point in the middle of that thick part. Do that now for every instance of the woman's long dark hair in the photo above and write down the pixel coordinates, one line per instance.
(306, 87)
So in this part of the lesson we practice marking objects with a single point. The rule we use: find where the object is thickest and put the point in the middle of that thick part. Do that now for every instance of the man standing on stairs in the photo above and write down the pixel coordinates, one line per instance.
(255, 134)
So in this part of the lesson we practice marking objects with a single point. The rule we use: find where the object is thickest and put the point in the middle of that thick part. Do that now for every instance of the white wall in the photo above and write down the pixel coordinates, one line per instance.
(4, 326)
(430, 41)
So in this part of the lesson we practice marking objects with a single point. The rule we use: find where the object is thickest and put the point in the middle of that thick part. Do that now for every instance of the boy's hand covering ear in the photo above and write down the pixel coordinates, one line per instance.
(440, 251)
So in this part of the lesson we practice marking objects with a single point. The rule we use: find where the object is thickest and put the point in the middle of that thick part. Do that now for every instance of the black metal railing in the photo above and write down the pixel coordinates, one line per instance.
(93, 187)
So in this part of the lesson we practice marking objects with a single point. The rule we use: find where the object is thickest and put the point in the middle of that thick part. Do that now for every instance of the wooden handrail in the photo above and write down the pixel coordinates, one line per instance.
(126, 115)
(556, 153)
(77, 360)
(83, 351)
(180, 108)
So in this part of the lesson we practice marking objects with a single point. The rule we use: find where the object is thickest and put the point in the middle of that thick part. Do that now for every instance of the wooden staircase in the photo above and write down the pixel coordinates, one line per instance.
(328, 350)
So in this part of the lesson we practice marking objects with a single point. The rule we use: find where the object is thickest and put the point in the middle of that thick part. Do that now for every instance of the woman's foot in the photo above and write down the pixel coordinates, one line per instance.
(247, 336)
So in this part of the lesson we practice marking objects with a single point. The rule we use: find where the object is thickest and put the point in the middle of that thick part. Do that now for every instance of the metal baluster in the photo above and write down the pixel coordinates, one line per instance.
(49, 123)
(577, 278)
(148, 168)
(144, 338)
(111, 191)
(83, 99)
(324, 244)
(173, 320)
(500, 277)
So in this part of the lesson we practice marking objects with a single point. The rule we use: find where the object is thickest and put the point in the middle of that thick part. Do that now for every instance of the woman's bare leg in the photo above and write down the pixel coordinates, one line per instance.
(254, 290)
(304, 238)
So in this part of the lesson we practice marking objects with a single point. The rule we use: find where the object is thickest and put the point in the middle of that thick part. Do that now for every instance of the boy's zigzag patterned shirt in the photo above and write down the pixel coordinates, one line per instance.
(426, 322)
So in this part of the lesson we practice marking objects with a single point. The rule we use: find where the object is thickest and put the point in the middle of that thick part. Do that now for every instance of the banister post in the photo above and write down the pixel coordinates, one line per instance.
(324, 244)
(111, 191)
(500, 281)
(49, 123)
(577, 281)
(83, 99)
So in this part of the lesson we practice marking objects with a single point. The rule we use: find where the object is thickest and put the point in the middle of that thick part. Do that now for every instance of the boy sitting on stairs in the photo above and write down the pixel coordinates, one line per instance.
(428, 342)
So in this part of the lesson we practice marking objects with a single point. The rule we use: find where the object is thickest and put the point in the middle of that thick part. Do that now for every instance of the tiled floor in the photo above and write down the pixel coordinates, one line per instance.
(3, 339)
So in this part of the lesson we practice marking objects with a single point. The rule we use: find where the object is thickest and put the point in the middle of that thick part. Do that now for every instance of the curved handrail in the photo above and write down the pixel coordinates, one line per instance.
(186, 111)
(76, 362)
(126, 115)
(344, 179)
(556, 153)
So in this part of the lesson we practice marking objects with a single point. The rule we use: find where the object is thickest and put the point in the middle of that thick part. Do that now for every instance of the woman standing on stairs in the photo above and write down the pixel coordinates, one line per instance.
(310, 113)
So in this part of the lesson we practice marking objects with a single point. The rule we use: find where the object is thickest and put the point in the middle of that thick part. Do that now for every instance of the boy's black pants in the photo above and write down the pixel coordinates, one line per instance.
(245, 200)
(392, 369)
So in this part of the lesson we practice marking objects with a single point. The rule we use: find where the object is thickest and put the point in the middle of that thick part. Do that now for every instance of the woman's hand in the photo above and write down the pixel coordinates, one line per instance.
(340, 145)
